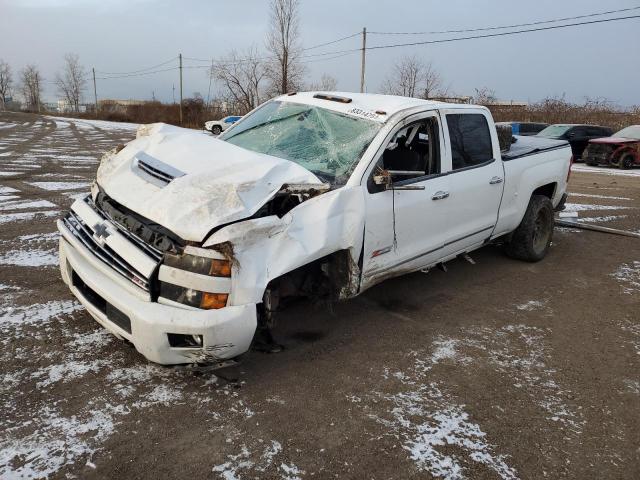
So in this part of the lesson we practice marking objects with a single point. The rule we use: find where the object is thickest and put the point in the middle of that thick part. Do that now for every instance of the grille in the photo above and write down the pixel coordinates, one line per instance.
(85, 235)
(597, 151)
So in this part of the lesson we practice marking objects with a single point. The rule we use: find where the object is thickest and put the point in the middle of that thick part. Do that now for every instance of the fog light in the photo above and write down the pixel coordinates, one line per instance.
(179, 340)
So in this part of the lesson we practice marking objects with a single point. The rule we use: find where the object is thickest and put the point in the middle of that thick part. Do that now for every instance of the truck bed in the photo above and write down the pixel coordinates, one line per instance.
(530, 145)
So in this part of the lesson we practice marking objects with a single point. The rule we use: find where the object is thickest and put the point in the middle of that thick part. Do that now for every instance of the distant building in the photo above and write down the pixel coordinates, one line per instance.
(63, 106)
(113, 105)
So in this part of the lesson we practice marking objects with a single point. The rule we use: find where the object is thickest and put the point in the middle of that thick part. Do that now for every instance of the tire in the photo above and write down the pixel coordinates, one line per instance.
(626, 161)
(216, 130)
(531, 240)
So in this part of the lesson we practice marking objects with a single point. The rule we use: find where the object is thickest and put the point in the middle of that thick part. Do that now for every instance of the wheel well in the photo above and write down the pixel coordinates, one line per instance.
(547, 190)
(329, 278)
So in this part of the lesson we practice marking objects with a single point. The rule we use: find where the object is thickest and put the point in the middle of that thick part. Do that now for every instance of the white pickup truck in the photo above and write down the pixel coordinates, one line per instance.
(189, 243)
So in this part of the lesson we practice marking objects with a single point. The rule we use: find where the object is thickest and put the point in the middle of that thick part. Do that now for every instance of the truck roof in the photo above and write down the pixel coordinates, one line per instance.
(369, 105)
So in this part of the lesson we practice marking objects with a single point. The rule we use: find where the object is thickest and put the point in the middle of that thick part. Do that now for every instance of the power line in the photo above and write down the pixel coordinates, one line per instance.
(138, 74)
(500, 34)
(173, 59)
(332, 42)
(540, 22)
(222, 62)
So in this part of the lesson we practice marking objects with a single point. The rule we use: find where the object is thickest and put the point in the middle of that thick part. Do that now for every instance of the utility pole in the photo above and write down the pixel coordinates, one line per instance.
(210, 77)
(174, 93)
(180, 57)
(95, 91)
(364, 49)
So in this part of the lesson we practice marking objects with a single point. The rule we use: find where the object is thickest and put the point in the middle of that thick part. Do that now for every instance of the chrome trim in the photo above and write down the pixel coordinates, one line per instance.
(155, 168)
(84, 234)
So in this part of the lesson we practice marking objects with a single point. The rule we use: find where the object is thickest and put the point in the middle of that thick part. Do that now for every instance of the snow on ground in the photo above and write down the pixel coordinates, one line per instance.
(436, 431)
(244, 462)
(628, 275)
(605, 170)
(581, 207)
(55, 186)
(29, 258)
(14, 217)
(24, 204)
(607, 218)
(532, 305)
(589, 195)
(83, 123)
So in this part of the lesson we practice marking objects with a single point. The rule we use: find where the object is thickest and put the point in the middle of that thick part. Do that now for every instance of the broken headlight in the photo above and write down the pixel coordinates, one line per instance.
(187, 294)
(201, 265)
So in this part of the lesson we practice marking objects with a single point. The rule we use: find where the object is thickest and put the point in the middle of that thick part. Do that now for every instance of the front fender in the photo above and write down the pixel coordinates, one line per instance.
(267, 248)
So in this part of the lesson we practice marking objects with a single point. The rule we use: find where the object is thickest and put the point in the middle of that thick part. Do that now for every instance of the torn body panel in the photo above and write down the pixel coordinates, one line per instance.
(270, 247)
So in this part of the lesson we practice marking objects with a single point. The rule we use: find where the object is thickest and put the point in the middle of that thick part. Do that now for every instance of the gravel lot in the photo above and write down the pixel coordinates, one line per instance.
(496, 370)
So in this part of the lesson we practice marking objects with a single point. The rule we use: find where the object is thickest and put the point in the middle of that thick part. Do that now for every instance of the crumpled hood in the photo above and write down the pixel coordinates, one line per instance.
(215, 182)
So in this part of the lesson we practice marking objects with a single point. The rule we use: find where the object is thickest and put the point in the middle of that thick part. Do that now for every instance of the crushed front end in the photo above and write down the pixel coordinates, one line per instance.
(171, 300)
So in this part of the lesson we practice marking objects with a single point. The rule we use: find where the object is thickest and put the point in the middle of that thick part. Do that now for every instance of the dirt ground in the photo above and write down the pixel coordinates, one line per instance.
(501, 369)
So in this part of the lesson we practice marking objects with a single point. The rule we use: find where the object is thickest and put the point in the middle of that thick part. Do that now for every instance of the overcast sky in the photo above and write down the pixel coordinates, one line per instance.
(124, 35)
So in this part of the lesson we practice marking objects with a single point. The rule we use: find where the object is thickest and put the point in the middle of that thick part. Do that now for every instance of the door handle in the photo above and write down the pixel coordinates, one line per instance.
(440, 195)
(495, 180)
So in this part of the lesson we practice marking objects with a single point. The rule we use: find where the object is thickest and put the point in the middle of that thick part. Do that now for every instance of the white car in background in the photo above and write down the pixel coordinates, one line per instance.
(218, 126)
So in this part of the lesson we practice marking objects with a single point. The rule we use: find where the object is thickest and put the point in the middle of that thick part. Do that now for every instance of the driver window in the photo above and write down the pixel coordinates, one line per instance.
(414, 148)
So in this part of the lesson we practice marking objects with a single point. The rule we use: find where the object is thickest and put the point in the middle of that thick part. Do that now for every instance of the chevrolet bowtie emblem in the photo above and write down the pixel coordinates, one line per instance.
(101, 232)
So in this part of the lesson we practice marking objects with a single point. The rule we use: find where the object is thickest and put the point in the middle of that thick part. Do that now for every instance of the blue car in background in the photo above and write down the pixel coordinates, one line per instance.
(525, 128)
(218, 126)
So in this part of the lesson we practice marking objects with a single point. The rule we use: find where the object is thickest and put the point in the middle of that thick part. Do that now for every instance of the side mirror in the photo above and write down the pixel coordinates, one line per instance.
(385, 178)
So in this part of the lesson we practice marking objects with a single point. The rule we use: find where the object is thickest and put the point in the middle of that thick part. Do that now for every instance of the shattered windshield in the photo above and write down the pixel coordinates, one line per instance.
(629, 132)
(327, 143)
(554, 131)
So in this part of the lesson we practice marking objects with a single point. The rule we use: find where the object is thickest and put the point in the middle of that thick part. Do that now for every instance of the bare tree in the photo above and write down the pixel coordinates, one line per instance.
(484, 95)
(285, 70)
(5, 82)
(31, 86)
(327, 83)
(411, 77)
(241, 78)
(72, 82)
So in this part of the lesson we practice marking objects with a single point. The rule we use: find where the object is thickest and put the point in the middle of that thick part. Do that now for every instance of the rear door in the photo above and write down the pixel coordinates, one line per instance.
(476, 178)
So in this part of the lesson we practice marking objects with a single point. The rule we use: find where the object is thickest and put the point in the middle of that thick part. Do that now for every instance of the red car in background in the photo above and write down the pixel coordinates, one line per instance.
(622, 149)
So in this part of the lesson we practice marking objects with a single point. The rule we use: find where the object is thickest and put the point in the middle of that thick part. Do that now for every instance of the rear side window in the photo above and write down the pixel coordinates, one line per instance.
(470, 140)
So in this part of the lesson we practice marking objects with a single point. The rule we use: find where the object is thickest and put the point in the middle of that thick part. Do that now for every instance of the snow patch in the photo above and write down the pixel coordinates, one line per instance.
(55, 186)
(628, 275)
(581, 207)
(29, 258)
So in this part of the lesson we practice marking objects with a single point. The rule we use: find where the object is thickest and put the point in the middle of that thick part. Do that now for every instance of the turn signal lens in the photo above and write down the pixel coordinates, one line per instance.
(213, 300)
(220, 268)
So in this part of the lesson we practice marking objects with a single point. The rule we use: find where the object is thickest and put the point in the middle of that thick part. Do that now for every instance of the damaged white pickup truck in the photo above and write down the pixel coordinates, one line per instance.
(189, 243)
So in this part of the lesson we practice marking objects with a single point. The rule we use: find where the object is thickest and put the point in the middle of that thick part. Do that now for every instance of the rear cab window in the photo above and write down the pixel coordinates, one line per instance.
(470, 139)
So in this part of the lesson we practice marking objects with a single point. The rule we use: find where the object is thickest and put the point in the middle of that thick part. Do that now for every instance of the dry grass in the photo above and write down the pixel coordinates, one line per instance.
(194, 113)
(550, 110)
(553, 110)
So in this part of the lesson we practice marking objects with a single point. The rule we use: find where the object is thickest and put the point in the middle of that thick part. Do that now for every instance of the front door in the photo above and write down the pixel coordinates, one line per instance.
(406, 224)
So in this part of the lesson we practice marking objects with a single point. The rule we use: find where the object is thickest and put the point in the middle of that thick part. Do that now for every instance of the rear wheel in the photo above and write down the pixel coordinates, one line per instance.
(626, 161)
(216, 130)
(531, 240)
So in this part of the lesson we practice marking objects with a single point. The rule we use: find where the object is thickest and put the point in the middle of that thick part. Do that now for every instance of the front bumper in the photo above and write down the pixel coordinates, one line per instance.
(226, 332)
